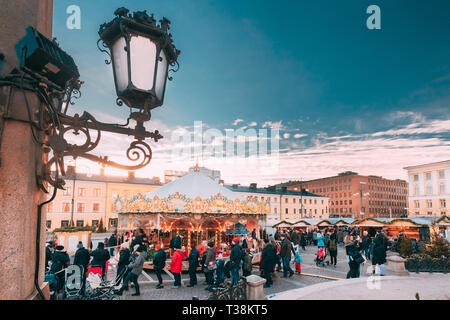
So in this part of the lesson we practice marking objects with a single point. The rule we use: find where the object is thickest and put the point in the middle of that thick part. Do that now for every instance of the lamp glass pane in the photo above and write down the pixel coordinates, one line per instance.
(120, 64)
(161, 76)
(143, 59)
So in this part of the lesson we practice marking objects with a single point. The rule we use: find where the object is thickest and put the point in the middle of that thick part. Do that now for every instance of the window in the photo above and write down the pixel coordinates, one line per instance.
(68, 191)
(442, 188)
(49, 224)
(96, 207)
(66, 207)
(349, 201)
(417, 204)
(429, 203)
(428, 176)
(286, 200)
(80, 223)
(429, 213)
(429, 190)
(64, 223)
(293, 200)
(275, 210)
(97, 192)
(295, 211)
(442, 203)
(416, 190)
(81, 192)
(262, 198)
(95, 223)
(80, 207)
(441, 174)
(287, 211)
(275, 199)
(50, 207)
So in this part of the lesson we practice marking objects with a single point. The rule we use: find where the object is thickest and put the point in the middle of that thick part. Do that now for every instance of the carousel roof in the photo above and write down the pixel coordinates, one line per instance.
(193, 185)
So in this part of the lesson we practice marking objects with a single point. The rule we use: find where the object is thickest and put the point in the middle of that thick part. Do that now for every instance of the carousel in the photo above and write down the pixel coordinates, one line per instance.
(195, 205)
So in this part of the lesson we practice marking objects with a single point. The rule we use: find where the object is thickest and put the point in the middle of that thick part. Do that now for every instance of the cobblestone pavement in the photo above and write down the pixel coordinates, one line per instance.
(280, 284)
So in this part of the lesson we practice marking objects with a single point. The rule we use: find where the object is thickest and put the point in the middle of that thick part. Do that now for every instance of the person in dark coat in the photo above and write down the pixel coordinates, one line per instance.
(247, 266)
(112, 242)
(285, 253)
(379, 252)
(48, 253)
(267, 264)
(303, 241)
(295, 238)
(60, 261)
(235, 258)
(333, 248)
(82, 256)
(100, 256)
(210, 260)
(193, 259)
(177, 241)
(354, 253)
(159, 263)
(124, 258)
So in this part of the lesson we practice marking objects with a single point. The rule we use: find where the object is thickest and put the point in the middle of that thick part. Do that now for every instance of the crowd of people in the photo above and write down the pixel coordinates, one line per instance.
(222, 261)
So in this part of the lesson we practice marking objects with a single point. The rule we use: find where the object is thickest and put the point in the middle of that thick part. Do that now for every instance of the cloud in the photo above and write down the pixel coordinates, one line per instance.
(237, 121)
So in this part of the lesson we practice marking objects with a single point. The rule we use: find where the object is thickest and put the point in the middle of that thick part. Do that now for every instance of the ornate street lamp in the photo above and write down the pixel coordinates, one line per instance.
(141, 53)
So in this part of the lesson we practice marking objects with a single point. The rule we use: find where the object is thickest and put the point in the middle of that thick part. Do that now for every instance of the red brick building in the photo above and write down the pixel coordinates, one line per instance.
(354, 195)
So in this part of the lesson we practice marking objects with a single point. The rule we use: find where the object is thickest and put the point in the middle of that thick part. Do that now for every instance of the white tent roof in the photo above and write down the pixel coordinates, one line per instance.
(193, 185)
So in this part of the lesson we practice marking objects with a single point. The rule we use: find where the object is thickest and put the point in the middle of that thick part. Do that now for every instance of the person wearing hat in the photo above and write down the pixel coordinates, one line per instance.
(82, 256)
(60, 261)
(235, 258)
(159, 262)
(210, 259)
(136, 268)
(175, 266)
(101, 255)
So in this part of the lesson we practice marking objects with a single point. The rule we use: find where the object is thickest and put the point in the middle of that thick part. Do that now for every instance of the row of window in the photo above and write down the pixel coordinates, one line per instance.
(427, 176)
(442, 202)
(82, 192)
(429, 189)
(387, 203)
(65, 223)
(80, 206)
(342, 202)
(305, 211)
(341, 210)
(286, 200)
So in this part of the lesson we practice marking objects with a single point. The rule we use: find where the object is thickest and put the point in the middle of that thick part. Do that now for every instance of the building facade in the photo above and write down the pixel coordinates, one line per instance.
(286, 204)
(429, 193)
(92, 197)
(354, 195)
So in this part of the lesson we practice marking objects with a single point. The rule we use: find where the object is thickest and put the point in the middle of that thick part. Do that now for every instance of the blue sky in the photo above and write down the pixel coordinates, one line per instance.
(343, 96)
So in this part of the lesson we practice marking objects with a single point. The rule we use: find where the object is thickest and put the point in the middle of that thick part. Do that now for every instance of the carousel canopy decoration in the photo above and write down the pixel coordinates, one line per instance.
(192, 193)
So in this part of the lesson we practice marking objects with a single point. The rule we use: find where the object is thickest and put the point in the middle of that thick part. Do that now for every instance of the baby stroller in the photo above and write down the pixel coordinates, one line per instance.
(320, 257)
(99, 289)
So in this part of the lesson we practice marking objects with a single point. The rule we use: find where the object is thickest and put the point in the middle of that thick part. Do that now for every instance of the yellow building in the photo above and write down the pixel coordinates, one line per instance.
(286, 204)
(92, 198)
(429, 189)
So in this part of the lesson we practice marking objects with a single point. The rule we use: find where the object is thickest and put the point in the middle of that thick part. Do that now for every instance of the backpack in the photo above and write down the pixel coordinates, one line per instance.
(333, 245)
